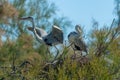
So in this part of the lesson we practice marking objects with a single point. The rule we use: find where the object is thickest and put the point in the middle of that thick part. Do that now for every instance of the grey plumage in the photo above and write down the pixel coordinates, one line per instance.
(39, 31)
(53, 38)
(75, 38)
(80, 44)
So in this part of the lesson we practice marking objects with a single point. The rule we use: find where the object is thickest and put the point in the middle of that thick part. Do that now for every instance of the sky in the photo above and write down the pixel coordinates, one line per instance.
(83, 11)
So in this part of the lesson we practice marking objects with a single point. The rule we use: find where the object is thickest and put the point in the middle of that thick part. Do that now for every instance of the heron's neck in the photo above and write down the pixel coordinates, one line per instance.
(78, 31)
(39, 38)
(33, 24)
(34, 30)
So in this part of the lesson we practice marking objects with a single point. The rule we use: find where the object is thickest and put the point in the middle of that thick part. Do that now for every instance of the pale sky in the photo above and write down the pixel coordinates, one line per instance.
(82, 11)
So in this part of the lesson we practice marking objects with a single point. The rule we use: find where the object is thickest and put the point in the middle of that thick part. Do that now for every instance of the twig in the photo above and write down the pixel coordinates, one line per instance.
(110, 28)
(102, 47)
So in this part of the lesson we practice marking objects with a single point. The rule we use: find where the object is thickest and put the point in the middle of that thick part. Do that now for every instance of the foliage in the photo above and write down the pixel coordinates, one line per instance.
(22, 58)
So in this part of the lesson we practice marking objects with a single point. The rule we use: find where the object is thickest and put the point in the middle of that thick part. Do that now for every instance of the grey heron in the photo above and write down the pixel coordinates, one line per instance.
(53, 38)
(75, 38)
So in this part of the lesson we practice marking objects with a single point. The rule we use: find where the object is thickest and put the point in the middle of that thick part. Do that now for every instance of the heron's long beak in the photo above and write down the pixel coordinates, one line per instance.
(22, 18)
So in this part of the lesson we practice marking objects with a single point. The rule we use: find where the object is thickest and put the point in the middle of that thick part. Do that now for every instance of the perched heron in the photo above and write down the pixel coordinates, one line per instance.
(75, 38)
(53, 38)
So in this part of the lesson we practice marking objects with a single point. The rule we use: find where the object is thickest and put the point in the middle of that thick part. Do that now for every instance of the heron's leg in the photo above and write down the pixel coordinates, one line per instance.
(48, 50)
(74, 51)
(74, 55)
(81, 53)
(57, 52)
(65, 48)
(48, 53)
(70, 45)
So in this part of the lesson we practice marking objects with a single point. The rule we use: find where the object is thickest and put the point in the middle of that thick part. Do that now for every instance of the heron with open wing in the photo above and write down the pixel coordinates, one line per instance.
(53, 38)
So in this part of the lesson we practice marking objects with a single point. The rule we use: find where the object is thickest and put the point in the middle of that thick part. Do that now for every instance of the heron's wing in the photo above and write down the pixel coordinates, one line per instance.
(81, 44)
(54, 37)
(57, 34)
(72, 35)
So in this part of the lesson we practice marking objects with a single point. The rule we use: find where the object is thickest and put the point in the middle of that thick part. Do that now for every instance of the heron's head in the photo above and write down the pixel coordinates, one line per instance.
(78, 29)
(27, 18)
